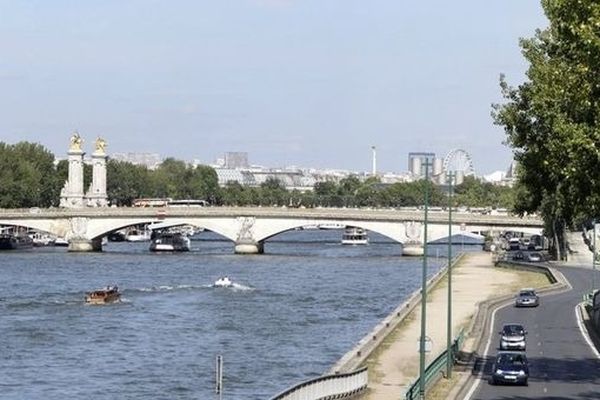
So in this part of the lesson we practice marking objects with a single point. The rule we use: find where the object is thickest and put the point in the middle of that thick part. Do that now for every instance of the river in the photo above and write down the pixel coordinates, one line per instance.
(292, 313)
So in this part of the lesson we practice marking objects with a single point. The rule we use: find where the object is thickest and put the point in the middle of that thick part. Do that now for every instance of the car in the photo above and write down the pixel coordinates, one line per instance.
(527, 297)
(518, 255)
(510, 367)
(512, 337)
(534, 257)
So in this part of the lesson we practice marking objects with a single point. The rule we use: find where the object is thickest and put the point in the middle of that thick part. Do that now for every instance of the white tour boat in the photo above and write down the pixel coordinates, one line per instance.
(354, 235)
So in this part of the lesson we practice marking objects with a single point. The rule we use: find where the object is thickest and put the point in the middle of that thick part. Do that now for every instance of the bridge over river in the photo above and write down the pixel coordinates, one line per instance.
(249, 227)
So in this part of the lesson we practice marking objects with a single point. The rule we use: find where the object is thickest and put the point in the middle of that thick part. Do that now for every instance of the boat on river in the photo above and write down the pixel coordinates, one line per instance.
(15, 242)
(138, 235)
(109, 294)
(223, 282)
(354, 235)
(169, 241)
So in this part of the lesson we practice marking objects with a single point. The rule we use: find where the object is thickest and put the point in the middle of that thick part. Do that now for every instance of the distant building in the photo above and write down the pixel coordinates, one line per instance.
(150, 160)
(416, 163)
(236, 160)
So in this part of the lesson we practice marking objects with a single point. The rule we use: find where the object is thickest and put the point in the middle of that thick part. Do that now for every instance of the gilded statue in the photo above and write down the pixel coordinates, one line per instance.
(100, 145)
(76, 142)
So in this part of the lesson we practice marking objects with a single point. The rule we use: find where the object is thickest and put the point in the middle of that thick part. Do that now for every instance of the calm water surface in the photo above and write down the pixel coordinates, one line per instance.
(291, 314)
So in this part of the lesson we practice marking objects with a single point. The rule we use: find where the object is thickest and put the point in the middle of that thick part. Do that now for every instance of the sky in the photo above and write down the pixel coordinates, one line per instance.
(310, 83)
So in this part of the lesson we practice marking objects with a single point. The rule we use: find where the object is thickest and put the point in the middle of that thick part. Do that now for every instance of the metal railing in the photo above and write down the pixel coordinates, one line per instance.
(336, 386)
(435, 367)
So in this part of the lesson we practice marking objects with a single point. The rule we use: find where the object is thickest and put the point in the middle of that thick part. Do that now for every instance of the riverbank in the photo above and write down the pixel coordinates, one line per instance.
(394, 365)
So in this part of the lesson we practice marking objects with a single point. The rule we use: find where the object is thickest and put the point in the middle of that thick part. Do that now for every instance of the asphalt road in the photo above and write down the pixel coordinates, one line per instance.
(561, 363)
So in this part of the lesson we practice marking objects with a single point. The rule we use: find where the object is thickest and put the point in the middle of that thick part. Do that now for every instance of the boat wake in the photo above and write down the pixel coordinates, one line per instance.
(166, 288)
(237, 287)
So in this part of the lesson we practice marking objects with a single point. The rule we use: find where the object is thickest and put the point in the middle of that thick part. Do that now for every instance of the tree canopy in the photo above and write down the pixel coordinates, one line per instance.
(552, 119)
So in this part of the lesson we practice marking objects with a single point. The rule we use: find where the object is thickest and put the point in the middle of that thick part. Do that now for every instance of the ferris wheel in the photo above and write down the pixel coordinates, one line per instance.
(458, 160)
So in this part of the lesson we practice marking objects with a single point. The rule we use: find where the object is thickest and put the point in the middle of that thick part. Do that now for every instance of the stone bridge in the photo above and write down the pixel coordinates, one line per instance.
(249, 227)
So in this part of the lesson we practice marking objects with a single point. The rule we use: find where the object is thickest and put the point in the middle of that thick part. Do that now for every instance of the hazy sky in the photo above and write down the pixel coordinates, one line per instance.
(312, 83)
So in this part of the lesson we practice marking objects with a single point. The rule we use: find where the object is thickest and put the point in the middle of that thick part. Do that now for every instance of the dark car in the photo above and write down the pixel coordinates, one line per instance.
(518, 255)
(512, 337)
(527, 298)
(510, 367)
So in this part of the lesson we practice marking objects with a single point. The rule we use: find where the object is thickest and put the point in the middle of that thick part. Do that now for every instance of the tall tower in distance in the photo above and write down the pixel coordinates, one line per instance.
(374, 166)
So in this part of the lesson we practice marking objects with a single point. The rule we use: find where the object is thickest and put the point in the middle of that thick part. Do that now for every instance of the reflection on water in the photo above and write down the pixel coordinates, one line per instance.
(290, 315)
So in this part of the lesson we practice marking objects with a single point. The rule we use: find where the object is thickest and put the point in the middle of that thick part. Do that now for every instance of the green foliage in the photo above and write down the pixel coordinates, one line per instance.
(27, 176)
(551, 120)
(474, 193)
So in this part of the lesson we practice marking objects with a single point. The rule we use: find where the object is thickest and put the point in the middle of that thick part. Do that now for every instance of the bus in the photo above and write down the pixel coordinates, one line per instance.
(147, 202)
(187, 203)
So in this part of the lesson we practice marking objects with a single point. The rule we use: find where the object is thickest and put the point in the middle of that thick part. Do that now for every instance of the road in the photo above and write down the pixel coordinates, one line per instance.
(562, 364)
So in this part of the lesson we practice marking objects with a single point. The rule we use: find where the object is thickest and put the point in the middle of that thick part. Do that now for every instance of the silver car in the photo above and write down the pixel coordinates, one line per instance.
(527, 298)
(512, 337)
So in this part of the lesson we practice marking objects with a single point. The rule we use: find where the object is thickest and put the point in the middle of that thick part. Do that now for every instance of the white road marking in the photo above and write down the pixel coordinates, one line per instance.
(487, 348)
(584, 331)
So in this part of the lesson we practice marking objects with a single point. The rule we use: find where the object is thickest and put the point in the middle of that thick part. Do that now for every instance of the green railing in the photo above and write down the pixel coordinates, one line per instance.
(435, 367)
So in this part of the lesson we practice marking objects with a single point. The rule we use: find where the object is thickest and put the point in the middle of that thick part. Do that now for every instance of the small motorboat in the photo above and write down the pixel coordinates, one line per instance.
(223, 282)
(109, 294)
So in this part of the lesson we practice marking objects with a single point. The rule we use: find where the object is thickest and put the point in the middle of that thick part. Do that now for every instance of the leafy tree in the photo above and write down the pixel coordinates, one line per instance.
(551, 120)
(27, 176)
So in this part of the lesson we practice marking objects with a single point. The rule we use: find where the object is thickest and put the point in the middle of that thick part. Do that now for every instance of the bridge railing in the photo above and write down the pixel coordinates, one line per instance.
(336, 386)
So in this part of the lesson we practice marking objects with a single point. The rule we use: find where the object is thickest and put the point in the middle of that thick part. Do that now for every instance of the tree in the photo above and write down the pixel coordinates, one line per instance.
(552, 120)
(27, 176)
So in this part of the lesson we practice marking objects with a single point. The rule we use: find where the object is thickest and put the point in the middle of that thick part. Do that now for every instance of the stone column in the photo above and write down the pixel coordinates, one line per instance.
(78, 238)
(413, 245)
(71, 195)
(96, 195)
(245, 243)
(249, 248)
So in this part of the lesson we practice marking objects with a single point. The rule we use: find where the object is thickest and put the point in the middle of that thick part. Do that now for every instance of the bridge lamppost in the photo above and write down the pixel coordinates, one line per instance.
(424, 290)
(449, 354)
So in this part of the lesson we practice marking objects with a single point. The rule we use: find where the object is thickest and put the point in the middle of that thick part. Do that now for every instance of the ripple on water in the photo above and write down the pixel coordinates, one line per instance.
(288, 318)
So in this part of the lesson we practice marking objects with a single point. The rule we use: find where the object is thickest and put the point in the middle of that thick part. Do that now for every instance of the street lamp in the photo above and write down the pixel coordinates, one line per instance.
(424, 290)
(594, 259)
(449, 355)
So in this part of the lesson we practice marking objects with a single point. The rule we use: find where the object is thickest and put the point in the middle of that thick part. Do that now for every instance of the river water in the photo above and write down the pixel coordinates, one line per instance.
(292, 313)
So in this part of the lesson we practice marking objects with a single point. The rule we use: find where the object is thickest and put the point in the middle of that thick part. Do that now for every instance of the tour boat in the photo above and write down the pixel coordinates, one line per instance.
(109, 294)
(169, 241)
(41, 239)
(223, 282)
(354, 235)
(138, 235)
(14, 242)
(61, 242)
(331, 225)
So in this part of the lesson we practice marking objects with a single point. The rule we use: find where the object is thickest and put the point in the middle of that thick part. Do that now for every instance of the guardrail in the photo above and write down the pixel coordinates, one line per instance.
(435, 368)
(337, 386)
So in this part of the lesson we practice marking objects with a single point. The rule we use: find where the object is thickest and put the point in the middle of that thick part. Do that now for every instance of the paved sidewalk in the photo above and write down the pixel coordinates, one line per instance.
(395, 364)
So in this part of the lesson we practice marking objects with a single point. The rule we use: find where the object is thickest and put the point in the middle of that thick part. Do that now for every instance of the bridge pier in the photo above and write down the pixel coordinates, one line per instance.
(79, 245)
(412, 249)
(249, 248)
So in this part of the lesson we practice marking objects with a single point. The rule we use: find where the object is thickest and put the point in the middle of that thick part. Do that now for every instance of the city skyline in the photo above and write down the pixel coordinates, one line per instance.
(291, 83)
